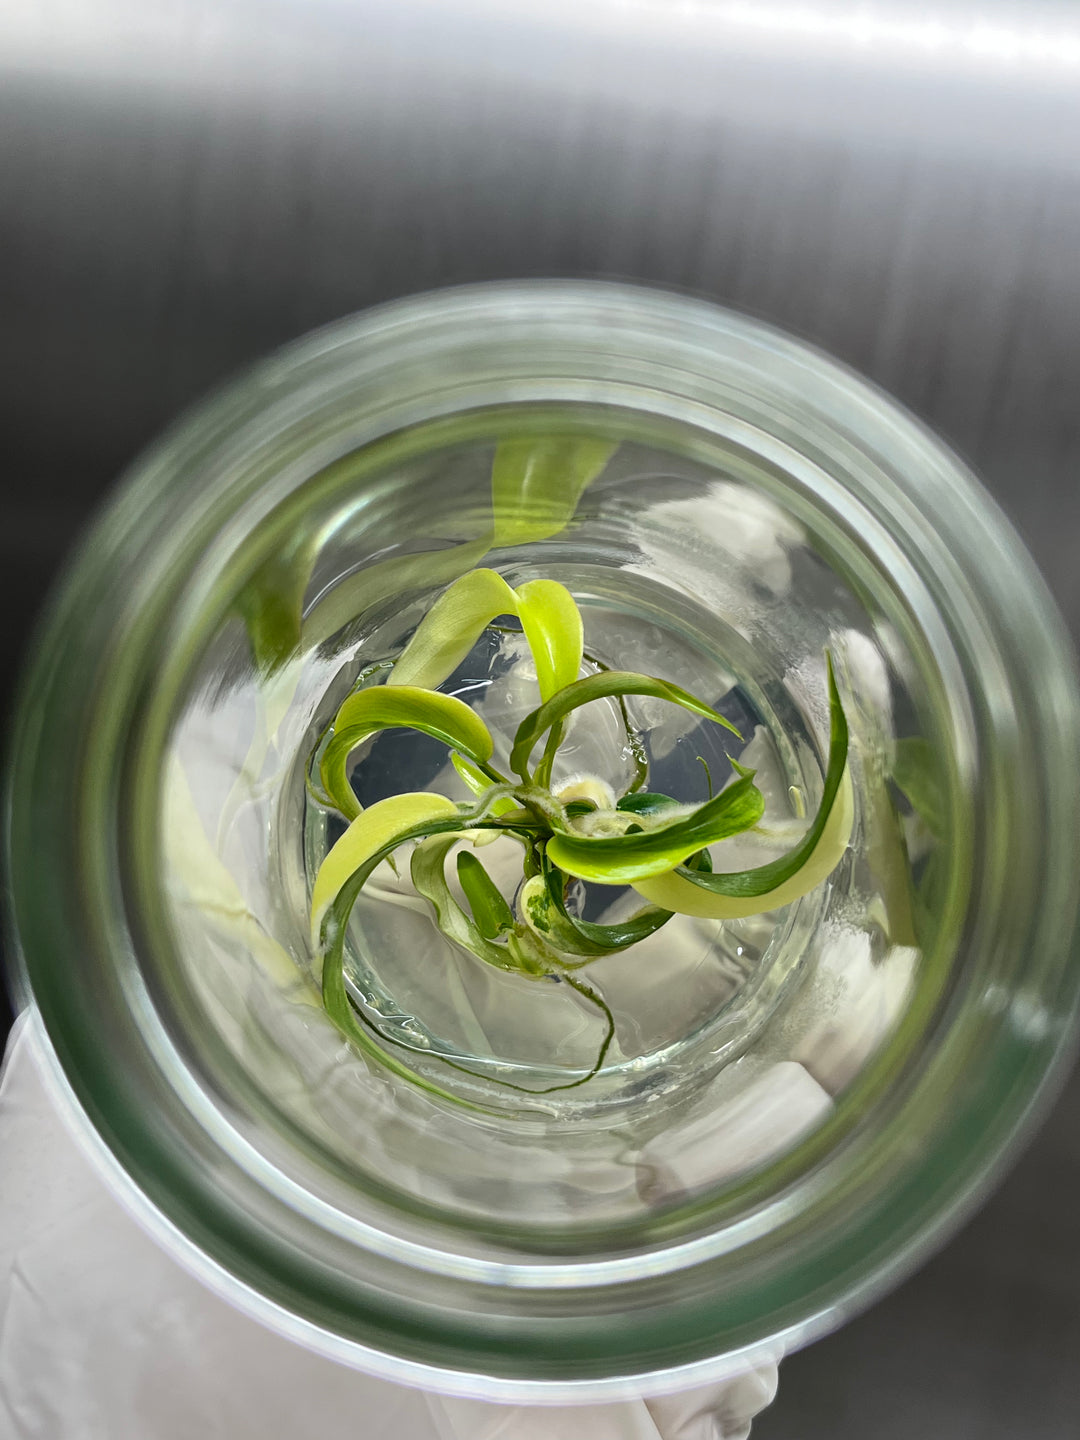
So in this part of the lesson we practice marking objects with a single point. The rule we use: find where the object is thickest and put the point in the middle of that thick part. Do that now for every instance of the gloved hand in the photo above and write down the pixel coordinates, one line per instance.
(104, 1336)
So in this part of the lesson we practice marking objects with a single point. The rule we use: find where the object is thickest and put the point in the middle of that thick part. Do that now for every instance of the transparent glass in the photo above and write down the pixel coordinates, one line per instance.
(795, 1105)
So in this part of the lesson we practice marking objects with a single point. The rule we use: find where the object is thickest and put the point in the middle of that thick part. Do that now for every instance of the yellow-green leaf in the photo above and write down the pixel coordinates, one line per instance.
(549, 616)
(552, 623)
(452, 627)
(674, 892)
(536, 483)
(372, 830)
(363, 713)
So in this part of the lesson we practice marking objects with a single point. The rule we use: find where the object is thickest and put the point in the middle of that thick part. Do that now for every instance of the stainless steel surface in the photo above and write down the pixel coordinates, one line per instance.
(184, 185)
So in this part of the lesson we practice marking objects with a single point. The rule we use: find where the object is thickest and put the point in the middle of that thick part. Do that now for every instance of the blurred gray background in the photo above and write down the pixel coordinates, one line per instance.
(185, 185)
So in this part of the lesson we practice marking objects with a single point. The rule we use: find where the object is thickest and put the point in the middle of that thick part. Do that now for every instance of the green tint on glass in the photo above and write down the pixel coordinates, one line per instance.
(536, 484)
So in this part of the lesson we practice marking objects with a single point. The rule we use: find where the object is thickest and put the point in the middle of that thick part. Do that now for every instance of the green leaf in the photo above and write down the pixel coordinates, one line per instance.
(362, 1033)
(647, 802)
(597, 687)
(536, 483)
(917, 773)
(490, 911)
(373, 835)
(626, 859)
(739, 893)
(547, 611)
(429, 876)
(371, 838)
(365, 712)
(552, 623)
(543, 905)
(452, 627)
(272, 601)
(480, 784)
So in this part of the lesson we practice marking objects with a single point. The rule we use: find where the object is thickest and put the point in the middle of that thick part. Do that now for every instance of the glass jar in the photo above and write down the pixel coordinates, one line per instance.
(796, 1106)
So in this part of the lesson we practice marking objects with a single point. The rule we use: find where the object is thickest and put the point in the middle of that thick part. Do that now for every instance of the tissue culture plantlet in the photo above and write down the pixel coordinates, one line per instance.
(576, 834)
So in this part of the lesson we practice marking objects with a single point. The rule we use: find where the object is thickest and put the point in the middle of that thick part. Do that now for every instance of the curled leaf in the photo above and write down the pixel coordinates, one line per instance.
(626, 859)
(597, 687)
(739, 893)
(376, 832)
(363, 713)
(552, 623)
(549, 617)
(689, 897)
(429, 876)
(543, 906)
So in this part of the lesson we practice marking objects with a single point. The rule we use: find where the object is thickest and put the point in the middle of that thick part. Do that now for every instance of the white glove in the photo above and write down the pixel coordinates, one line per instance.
(103, 1336)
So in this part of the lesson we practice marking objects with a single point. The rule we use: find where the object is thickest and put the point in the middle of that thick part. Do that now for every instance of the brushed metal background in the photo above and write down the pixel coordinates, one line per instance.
(185, 185)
